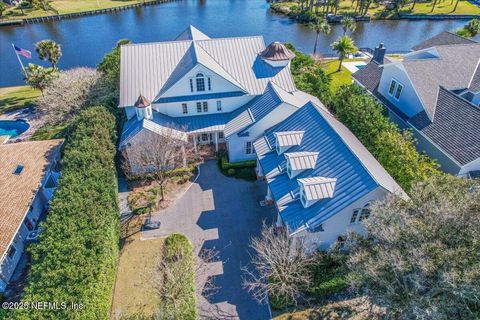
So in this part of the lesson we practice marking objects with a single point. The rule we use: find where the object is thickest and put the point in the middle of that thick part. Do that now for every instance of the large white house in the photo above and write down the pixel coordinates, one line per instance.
(217, 91)
(435, 92)
(28, 179)
(237, 92)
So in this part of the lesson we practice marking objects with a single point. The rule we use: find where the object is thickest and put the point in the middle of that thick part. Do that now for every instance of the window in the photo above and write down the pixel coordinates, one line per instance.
(199, 107)
(393, 84)
(303, 198)
(220, 135)
(191, 85)
(248, 147)
(204, 137)
(28, 224)
(205, 106)
(365, 213)
(200, 81)
(11, 252)
(219, 105)
(209, 84)
(18, 169)
(354, 216)
(184, 108)
(399, 91)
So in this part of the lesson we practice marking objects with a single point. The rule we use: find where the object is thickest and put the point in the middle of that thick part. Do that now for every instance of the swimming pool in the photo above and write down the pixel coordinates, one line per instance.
(13, 128)
(360, 66)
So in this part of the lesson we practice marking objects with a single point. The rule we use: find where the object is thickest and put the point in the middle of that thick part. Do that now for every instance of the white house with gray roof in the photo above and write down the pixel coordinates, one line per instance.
(435, 92)
(217, 91)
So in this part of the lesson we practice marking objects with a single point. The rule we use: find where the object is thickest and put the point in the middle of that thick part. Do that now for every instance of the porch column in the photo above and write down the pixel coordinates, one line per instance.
(195, 143)
(216, 141)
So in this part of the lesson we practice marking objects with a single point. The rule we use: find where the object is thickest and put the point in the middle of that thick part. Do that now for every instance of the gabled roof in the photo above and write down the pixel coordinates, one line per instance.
(288, 138)
(453, 70)
(271, 98)
(192, 33)
(444, 38)
(455, 129)
(474, 85)
(317, 188)
(18, 190)
(302, 160)
(194, 56)
(149, 67)
(340, 156)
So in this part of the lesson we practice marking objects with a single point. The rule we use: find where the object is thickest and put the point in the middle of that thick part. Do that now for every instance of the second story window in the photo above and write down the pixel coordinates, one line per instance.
(191, 85)
(209, 84)
(219, 105)
(365, 213)
(354, 217)
(399, 91)
(200, 81)
(199, 107)
(205, 106)
(184, 108)
(391, 89)
(248, 147)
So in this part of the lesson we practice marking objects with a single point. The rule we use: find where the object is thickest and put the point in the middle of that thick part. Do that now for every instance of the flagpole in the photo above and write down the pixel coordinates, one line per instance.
(19, 60)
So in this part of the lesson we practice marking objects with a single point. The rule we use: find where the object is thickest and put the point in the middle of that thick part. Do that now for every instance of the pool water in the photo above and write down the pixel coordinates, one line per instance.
(13, 128)
(360, 66)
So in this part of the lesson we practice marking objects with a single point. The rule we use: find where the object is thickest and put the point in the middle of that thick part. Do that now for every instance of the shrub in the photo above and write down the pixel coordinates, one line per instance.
(75, 259)
(231, 172)
(177, 280)
(329, 274)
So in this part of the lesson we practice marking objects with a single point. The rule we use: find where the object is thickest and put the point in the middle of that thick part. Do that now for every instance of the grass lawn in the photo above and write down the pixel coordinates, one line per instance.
(66, 6)
(134, 293)
(378, 11)
(12, 98)
(51, 132)
(338, 78)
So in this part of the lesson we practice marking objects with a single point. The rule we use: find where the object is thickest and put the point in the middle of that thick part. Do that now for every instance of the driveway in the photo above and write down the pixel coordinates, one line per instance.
(221, 213)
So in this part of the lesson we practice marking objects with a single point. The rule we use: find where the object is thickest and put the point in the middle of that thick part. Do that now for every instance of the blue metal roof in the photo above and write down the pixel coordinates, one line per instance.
(335, 160)
(198, 97)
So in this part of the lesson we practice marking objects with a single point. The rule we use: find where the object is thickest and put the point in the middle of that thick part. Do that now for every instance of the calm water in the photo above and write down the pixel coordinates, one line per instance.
(12, 128)
(85, 40)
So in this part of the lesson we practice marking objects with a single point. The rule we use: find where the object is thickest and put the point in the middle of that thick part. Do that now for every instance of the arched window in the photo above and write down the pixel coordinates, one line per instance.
(200, 81)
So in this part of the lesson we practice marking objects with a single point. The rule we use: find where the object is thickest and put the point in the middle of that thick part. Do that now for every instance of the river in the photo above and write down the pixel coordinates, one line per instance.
(85, 40)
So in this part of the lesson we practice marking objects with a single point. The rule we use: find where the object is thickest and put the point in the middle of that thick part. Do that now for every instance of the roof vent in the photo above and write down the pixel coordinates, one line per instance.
(18, 169)
(277, 55)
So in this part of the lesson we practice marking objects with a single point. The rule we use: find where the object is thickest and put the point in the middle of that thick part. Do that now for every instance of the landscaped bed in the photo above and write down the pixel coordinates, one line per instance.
(241, 170)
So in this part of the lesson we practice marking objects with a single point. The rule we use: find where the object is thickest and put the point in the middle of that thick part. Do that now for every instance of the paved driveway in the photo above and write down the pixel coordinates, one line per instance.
(222, 213)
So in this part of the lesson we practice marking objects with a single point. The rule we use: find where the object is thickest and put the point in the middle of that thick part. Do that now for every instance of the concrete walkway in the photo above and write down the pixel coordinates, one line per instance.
(220, 213)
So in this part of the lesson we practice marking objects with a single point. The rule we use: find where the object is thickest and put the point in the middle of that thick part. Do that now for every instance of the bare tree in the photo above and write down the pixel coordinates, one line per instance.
(421, 259)
(71, 92)
(158, 154)
(279, 266)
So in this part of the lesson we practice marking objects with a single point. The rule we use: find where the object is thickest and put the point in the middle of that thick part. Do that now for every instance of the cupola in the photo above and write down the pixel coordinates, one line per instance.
(143, 108)
(277, 55)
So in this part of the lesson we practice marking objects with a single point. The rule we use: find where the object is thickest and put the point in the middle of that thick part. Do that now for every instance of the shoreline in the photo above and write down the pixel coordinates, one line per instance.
(277, 8)
(63, 16)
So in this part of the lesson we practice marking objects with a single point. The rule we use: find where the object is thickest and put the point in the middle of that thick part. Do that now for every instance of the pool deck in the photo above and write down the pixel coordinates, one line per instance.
(27, 115)
(352, 66)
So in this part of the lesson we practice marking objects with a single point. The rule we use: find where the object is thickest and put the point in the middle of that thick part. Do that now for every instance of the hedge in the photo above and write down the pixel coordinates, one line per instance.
(75, 259)
(179, 257)
(225, 165)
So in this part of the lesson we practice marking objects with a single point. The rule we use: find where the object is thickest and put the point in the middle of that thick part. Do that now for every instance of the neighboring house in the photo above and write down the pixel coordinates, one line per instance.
(435, 92)
(28, 178)
(320, 177)
(217, 91)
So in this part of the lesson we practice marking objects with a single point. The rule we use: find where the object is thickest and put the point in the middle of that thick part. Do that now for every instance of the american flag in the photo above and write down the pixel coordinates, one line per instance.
(23, 52)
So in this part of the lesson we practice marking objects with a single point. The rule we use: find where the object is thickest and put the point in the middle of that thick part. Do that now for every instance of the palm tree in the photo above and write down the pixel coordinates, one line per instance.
(348, 23)
(344, 46)
(320, 25)
(49, 50)
(473, 27)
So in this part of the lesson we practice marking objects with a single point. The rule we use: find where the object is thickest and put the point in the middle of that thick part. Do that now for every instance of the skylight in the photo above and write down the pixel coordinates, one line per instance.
(18, 169)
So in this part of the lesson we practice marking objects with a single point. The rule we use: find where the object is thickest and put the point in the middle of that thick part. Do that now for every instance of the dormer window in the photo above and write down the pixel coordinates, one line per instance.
(298, 162)
(200, 81)
(316, 188)
(287, 139)
(399, 91)
(391, 89)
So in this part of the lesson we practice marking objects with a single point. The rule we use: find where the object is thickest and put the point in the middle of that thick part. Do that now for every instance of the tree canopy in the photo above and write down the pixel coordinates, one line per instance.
(421, 259)
(49, 50)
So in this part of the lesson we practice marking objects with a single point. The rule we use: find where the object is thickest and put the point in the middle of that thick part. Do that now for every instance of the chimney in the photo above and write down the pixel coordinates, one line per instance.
(379, 53)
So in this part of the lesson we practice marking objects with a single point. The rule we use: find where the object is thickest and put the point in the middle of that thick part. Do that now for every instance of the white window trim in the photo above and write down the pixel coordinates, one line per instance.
(184, 108)
(396, 90)
(247, 147)
(219, 105)
(394, 87)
